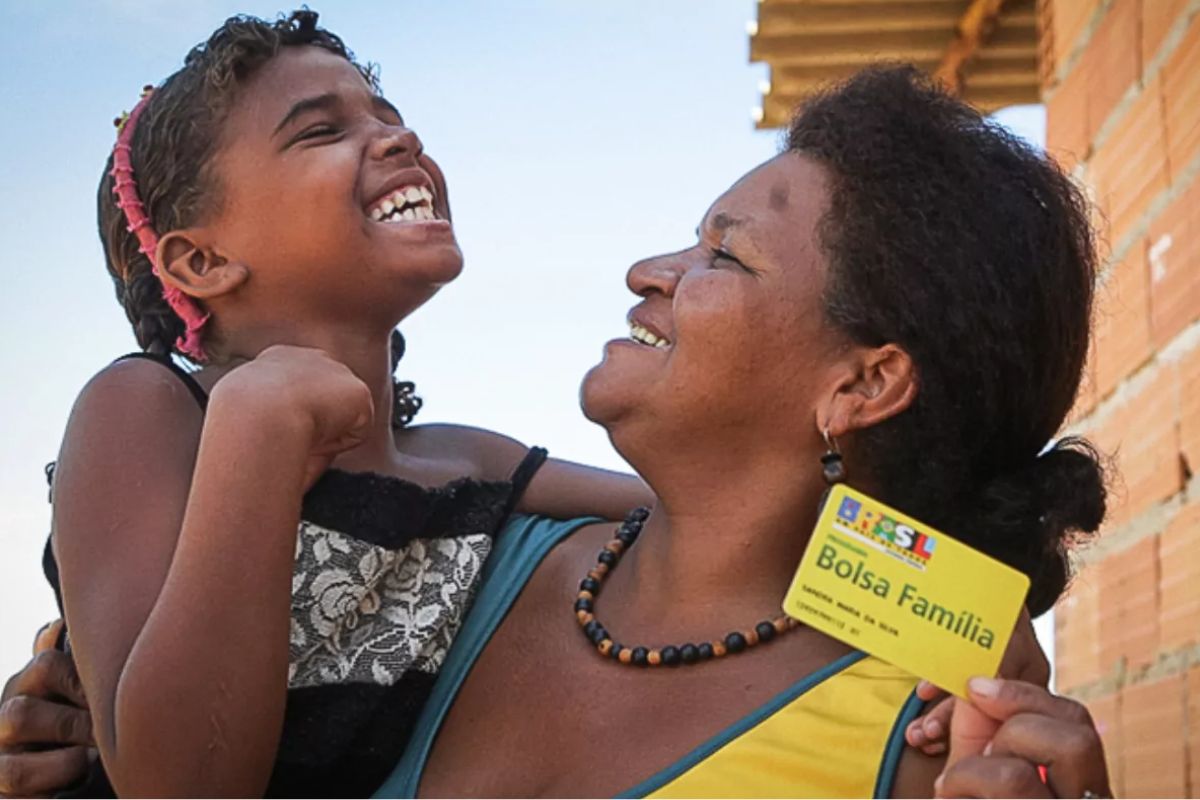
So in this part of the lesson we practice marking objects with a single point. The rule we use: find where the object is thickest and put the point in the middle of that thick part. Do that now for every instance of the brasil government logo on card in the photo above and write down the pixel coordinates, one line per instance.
(887, 584)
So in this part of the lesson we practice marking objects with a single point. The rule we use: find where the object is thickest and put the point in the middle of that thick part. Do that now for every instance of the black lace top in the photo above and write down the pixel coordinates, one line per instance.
(385, 571)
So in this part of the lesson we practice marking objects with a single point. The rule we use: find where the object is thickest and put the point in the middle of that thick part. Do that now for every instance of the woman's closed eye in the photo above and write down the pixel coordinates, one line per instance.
(720, 255)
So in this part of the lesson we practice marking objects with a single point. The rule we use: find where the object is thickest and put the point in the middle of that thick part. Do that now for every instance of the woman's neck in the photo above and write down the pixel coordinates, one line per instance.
(717, 554)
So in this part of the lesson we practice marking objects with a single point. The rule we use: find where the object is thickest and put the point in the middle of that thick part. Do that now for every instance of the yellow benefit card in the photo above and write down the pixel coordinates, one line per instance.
(880, 581)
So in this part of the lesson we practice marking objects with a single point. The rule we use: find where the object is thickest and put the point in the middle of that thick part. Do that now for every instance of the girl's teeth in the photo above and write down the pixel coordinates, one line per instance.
(413, 195)
(387, 207)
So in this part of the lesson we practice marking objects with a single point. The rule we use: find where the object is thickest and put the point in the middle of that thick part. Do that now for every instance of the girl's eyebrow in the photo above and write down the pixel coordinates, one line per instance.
(326, 101)
(318, 103)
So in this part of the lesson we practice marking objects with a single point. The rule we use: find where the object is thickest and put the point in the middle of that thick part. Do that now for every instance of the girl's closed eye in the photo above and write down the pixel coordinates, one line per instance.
(318, 131)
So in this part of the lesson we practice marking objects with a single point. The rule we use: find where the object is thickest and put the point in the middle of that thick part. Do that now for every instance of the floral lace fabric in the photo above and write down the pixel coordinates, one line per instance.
(365, 614)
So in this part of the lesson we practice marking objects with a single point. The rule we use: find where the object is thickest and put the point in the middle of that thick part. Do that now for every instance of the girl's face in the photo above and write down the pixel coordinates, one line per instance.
(328, 199)
(748, 351)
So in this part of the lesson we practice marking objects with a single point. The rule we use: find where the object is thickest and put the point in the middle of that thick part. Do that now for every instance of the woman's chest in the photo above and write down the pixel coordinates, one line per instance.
(542, 714)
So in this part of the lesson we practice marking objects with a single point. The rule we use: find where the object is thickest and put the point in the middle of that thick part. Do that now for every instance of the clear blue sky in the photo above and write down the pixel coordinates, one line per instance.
(577, 137)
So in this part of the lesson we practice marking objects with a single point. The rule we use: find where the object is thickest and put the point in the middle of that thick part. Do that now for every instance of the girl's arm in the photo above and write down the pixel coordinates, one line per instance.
(561, 489)
(565, 489)
(175, 537)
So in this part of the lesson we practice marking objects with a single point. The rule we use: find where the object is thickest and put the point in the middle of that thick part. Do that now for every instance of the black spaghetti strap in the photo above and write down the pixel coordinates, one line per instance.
(192, 385)
(523, 474)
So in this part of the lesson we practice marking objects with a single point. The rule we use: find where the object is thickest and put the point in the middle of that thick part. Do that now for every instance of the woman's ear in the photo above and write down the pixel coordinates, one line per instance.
(196, 269)
(882, 384)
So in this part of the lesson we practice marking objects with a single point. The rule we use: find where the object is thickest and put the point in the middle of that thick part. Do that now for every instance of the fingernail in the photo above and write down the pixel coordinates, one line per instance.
(987, 751)
(984, 687)
(915, 735)
(933, 729)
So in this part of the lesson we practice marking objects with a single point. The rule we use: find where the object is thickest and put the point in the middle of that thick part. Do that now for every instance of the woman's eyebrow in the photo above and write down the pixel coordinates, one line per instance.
(317, 103)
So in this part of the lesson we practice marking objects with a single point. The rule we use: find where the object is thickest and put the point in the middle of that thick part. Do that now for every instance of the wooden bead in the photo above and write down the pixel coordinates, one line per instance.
(584, 617)
(586, 595)
(751, 637)
(781, 625)
(605, 647)
(654, 658)
(625, 656)
(718, 649)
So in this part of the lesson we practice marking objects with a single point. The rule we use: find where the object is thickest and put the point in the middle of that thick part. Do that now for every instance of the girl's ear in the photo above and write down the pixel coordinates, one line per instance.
(882, 384)
(196, 269)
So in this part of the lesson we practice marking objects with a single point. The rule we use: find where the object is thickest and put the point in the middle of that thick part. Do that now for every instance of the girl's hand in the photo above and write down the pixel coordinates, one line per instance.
(43, 706)
(306, 390)
(1023, 661)
(999, 740)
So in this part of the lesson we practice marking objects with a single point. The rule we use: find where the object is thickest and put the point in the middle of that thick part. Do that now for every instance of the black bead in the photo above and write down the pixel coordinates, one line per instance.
(583, 604)
(626, 537)
(670, 656)
(598, 635)
(639, 514)
(705, 651)
(615, 653)
(765, 631)
(607, 557)
(639, 656)
(735, 642)
(589, 585)
(689, 653)
(591, 628)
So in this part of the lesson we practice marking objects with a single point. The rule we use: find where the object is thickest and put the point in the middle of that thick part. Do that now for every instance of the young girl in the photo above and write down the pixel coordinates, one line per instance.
(269, 216)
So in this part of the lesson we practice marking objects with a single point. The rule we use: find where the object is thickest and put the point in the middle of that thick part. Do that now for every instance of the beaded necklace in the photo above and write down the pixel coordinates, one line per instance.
(671, 655)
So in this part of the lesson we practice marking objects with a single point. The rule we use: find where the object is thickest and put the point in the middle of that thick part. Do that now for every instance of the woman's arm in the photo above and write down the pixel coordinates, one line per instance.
(175, 536)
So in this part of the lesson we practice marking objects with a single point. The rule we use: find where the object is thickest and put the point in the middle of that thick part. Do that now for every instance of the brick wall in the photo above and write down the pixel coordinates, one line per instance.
(1121, 81)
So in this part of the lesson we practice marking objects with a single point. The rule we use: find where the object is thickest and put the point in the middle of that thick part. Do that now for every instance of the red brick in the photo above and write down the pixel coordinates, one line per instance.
(1068, 19)
(1193, 731)
(1157, 18)
(1067, 136)
(1113, 61)
(1129, 606)
(1189, 411)
(1106, 713)
(1181, 101)
(1077, 632)
(1173, 256)
(1143, 437)
(1130, 169)
(1179, 581)
(1122, 340)
(1153, 727)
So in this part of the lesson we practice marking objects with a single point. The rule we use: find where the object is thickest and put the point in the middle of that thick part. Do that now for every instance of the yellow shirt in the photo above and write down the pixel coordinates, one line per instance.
(836, 733)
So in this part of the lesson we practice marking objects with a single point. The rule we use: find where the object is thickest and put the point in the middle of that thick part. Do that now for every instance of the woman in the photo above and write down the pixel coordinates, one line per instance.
(855, 296)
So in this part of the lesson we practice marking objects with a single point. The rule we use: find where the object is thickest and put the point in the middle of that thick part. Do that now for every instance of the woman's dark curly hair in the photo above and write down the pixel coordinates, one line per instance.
(173, 145)
(953, 239)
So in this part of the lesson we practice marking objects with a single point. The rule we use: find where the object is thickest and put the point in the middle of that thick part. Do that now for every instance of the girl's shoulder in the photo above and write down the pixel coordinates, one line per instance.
(145, 388)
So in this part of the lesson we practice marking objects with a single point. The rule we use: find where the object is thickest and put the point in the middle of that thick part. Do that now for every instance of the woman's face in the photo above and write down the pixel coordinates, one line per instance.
(310, 161)
(742, 343)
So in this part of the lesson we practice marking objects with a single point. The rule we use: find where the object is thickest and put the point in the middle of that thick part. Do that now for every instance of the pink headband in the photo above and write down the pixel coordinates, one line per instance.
(125, 188)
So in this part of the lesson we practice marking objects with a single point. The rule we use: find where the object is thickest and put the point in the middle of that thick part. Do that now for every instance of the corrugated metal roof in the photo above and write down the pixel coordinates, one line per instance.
(809, 42)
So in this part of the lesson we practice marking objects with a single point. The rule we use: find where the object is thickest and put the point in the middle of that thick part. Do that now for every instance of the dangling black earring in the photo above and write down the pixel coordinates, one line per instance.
(833, 469)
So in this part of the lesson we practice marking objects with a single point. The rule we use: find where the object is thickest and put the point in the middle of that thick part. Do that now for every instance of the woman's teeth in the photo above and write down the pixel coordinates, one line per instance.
(407, 204)
(640, 334)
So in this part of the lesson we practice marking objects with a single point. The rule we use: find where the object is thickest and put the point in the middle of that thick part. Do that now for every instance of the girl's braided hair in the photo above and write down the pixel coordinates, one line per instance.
(171, 149)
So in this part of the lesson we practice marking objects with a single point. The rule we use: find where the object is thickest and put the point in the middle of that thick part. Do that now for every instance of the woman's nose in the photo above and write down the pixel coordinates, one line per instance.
(658, 274)
(396, 141)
